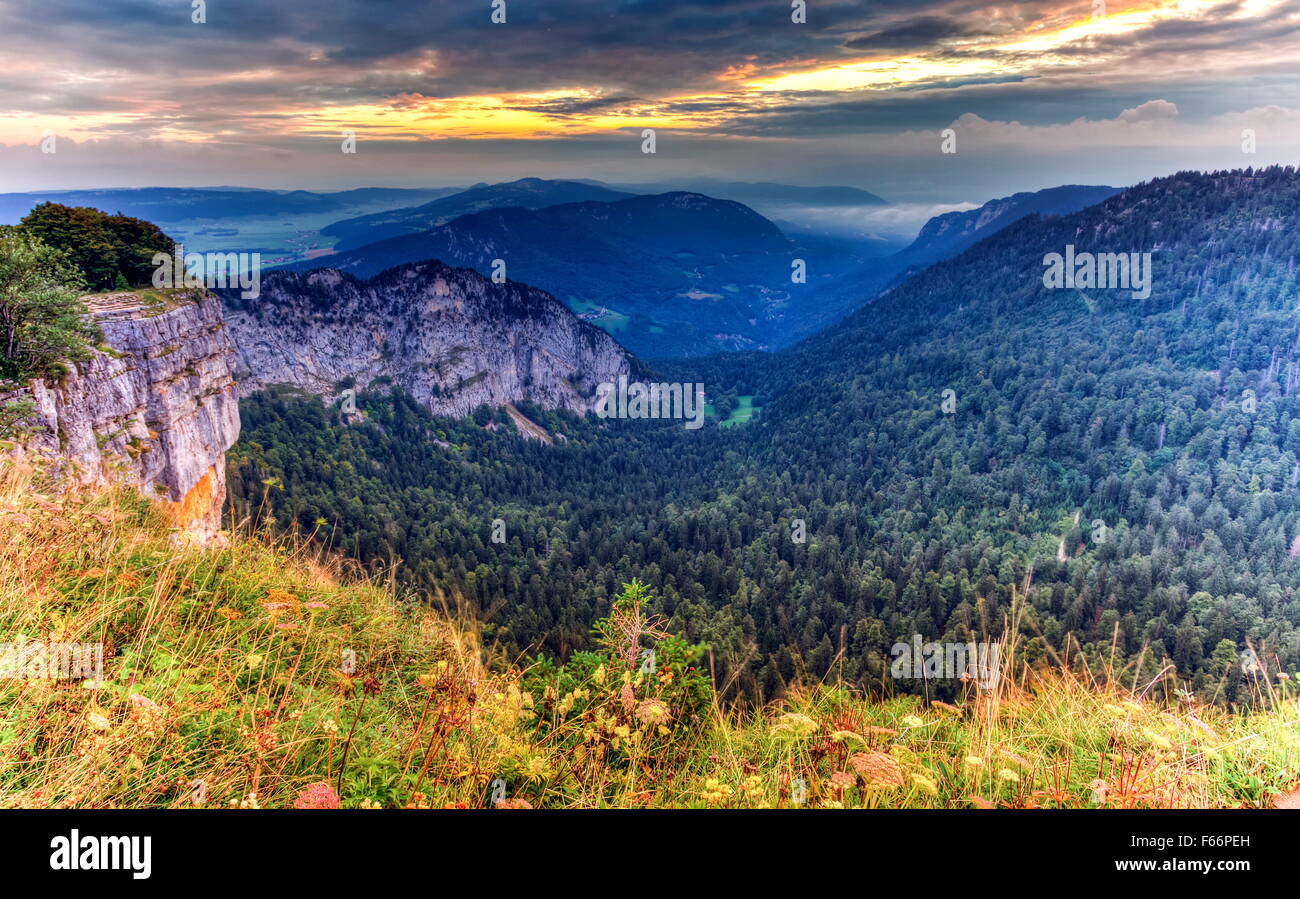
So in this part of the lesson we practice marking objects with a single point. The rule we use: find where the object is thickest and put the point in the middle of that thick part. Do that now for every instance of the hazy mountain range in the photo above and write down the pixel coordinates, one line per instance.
(668, 274)
(674, 274)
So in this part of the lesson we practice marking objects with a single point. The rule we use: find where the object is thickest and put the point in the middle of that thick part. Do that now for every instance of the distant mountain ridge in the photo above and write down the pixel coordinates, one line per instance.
(673, 274)
(762, 194)
(527, 193)
(948, 234)
(943, 237)
(172, 204)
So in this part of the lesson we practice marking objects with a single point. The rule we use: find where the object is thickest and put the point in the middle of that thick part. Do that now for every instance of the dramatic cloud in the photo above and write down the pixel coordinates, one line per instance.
(137, 92)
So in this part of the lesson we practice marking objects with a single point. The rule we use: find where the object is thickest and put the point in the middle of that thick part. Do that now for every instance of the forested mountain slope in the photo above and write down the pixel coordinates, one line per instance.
(1125, 467)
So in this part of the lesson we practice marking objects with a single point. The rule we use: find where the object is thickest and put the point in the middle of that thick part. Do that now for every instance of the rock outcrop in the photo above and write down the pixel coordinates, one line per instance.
(449, 337)
(156, 405)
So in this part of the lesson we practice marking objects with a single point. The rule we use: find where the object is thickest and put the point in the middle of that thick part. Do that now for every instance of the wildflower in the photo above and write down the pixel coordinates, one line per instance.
(265, 741)
(832, 803)
(652, 712)
(1012, 757)
(254, 660)
(1099, 789)
(974, 761)
(950, 709)
(229, 613)
(317, 795)
(98, 721)
(144, 703)
(926, 784)
(329, 726)
(315, 606)
(1008, 775)
(877, 770)
(795, 725)
(1158, 740)
(536, 768)
(842, 780)
(752, 785)
(912, 721)
(369, 803)
(566, 704)
(840, 736)
(715, 790)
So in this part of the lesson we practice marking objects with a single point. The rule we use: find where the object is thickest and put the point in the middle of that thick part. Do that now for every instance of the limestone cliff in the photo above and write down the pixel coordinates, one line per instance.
(156, 405)
(449, 337)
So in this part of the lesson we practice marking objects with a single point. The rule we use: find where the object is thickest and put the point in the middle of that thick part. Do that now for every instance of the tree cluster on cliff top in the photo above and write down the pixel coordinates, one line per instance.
(111, 251)
(42, 318)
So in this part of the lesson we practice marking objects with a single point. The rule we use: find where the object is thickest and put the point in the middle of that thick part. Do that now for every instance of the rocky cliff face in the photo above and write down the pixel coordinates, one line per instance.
(449, 337)
(158, 406)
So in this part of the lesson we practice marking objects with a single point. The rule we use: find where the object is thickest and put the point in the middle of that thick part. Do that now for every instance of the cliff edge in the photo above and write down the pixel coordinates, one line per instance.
(156, 405)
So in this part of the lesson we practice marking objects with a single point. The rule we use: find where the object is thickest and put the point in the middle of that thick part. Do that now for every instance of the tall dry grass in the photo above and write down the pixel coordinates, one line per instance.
(261, 675)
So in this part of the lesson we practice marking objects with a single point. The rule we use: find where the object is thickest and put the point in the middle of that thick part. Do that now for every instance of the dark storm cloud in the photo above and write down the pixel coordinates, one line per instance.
(919, 32)
(259, 79)
(364, 50)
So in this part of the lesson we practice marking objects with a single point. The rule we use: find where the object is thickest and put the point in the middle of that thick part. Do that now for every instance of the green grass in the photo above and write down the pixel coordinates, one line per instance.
(740, 415)
(225, 684)
(609, 319)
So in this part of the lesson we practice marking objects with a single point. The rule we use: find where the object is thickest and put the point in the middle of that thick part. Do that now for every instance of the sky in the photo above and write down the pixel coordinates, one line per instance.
(262, 93)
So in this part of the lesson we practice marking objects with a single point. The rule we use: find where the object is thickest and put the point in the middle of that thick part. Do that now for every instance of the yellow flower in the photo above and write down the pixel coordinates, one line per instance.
(912, 721)
(974, 761)
(715, 790)
(840, 736)
(1009, 775)
(98, 721)
(795, 725)
(254, 660)
(1158, 740)
(926, 784)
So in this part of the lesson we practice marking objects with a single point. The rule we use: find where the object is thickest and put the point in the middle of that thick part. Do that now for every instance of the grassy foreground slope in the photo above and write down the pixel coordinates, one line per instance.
(229, 681)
